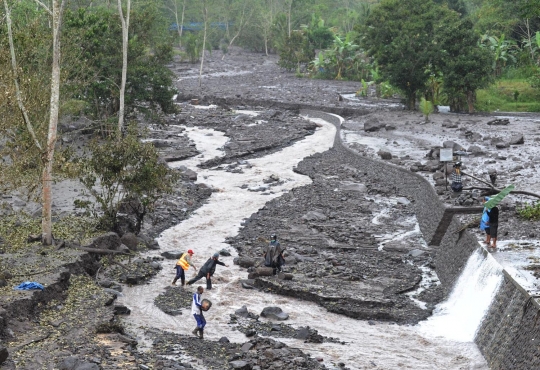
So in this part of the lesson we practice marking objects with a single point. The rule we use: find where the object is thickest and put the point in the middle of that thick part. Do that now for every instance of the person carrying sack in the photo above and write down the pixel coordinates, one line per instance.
(182, 265)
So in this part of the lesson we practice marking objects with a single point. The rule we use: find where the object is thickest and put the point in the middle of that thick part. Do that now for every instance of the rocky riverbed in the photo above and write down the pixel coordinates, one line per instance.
(352, 242)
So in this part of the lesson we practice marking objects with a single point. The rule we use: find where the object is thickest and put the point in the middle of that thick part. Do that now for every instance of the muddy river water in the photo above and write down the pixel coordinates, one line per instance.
(445, 341)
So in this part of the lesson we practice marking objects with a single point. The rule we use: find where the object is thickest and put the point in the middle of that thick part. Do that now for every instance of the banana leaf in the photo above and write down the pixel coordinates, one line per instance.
(496, 199)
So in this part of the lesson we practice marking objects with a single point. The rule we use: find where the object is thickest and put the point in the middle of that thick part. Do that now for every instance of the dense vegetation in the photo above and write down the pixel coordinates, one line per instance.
(109, 63)
(450, 52)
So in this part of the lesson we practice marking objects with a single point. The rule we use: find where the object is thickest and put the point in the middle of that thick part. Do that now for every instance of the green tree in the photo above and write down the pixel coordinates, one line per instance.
(125, 173)
(295, 52)
(400, 35)
(32, 136)
(97, 35)
(465, 65)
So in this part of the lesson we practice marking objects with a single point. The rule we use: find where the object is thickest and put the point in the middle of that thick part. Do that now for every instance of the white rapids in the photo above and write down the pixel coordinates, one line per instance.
(369, 345)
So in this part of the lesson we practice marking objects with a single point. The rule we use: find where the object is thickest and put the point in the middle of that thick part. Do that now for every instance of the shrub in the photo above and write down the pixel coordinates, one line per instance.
(125, 175)
(295, 52)
(530, 211)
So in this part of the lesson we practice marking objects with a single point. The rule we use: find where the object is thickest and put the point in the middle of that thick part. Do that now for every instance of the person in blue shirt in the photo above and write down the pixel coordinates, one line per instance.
(490, 224)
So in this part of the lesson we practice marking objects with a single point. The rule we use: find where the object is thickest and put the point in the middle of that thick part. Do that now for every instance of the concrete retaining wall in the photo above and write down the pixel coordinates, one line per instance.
(509, 335)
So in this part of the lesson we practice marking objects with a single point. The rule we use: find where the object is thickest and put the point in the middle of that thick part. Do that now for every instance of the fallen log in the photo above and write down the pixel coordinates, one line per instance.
(494, 191)
(101, 251)
(264, 271)
(285, 276)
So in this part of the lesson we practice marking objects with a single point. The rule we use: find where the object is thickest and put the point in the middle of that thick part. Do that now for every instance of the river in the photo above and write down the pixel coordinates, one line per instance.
(442, 342)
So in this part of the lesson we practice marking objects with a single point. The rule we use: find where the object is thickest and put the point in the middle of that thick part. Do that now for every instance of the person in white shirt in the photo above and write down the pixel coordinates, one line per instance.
(197, 313)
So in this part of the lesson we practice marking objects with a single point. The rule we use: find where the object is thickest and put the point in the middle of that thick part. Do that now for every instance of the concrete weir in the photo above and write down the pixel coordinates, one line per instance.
(509, 334)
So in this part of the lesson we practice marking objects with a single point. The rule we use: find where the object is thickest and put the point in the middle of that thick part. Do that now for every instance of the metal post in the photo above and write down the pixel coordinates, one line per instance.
(446, 175)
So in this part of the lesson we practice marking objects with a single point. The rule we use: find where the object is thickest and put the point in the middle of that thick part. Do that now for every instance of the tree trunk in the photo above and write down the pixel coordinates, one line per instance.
(470, 101)
(181, 26)
(205, 14)
(48, 156)
(15, 69)
(289, 17)
(411, 100)
(125, 35)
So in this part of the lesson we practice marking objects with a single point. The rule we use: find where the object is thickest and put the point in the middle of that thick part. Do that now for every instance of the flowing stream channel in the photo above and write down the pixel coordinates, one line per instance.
(444, 341)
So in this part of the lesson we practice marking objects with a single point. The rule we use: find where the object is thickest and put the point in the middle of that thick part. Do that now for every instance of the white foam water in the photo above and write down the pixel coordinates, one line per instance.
(459, 317)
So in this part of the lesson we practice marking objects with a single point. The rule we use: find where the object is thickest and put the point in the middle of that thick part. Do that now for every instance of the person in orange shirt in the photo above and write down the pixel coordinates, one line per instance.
(182, 265)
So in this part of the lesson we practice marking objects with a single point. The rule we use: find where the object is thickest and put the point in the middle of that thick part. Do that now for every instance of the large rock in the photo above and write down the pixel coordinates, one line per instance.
(245, 262)
(274, 312)
(353, 186)
(451, 144)
(172, 255)
(516, 139)
(449, 124)
(109, 241)
(373, 124)
(242, 312)
(314, 216)
(499, 122)
(130, 240)
(240, 365)
(384, 154)
(475, 149)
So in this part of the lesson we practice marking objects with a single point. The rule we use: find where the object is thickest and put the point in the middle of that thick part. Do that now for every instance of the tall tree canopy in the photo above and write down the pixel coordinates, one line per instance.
(408, 37)
(400, 35)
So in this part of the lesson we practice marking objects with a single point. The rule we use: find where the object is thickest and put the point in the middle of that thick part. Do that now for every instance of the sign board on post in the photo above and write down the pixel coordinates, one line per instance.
(446, 155)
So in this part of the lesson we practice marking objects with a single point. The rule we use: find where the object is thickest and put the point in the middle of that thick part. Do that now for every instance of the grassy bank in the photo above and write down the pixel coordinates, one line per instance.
(509, 95)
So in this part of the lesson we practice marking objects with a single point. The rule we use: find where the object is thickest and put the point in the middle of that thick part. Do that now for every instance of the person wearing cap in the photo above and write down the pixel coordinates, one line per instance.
(182, 265)
(207, 270)
(196, 311)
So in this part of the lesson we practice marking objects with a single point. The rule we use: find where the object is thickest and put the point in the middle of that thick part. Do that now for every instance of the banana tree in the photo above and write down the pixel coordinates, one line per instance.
(344, 53)
(502, 50)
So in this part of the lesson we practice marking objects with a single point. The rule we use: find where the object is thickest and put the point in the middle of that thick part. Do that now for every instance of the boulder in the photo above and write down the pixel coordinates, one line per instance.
(242, 312)
(314, 216)
(240, 365)
(449, 124)
(172, 255)
(285, 276)
(130, 240)
(121, 310)
(274, 312)
(475, 149)
(69, 363)
(245, 262)
(451, 144)
(246, 347)
(373, 124)
(109, 241)
(87, 366)
(353, 186)
(516, 140)
(499, 122)
(384, 154)
(264, 271)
